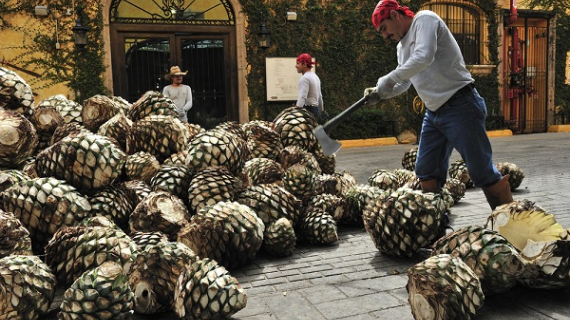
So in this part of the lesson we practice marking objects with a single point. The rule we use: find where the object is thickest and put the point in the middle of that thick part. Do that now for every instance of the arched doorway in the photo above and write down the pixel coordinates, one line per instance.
(147, 37)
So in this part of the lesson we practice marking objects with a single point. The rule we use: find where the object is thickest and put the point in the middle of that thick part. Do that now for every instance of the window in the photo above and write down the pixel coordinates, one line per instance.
(467, 23)
(209, 12)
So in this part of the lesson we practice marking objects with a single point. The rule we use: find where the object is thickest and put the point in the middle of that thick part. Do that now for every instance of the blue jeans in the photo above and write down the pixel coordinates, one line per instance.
(459, 124)
(313, 110)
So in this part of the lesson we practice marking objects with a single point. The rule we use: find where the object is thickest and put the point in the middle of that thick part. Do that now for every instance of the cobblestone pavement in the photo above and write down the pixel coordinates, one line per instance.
(352, 280)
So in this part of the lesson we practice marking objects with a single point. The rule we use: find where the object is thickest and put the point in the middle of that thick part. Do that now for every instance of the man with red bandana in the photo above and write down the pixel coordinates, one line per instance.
(310, 96)
(429, 58)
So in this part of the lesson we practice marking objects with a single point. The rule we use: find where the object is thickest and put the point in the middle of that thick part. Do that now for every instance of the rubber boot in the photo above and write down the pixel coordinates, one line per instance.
(430, 186)
(498, 193)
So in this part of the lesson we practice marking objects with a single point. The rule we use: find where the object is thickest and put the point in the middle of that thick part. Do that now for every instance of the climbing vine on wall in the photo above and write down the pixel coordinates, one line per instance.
(49, 45)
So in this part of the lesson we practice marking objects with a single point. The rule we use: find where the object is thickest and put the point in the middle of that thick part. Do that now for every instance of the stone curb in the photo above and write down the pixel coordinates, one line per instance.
(559, 128)
(390, 141)
(357, 143)
(499, 133)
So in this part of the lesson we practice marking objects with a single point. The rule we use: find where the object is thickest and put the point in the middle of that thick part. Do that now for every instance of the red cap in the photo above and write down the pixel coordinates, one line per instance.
(383, 9)
(306, 59)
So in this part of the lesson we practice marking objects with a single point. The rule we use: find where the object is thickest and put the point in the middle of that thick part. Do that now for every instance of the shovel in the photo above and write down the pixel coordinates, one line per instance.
(329, 145)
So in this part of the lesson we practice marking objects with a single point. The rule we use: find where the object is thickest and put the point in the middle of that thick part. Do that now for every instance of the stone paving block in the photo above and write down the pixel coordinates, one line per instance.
(330, 280)
(291, 306)
(369, 286)
(400, 293)
(551, 303)
(337, 271)
(250, 278)
(349, 264)
(351, 290)
(327, 261)
(252, 310)
(259, 271)
(390, 267)
(497, 308)
(383, 283)
(322, 293)
(310, 259)
(398, 312)
(356, 306)
(360, 317)
(289, 286)
(284, 273)
(367, 274)
(257, 291)
(255, 317)
(305, 276)
(267, 282)
(290, 266)
(321, 268)
(372, 251)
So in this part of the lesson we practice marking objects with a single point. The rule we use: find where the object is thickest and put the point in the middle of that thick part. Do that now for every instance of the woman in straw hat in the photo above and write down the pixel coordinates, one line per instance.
(180, 93)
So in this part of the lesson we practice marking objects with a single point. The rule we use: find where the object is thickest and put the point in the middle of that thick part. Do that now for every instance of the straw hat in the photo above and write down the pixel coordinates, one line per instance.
(175, 71)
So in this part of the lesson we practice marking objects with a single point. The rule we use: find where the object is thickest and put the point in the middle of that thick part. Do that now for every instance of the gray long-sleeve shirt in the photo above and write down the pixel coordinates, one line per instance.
(430, 59)
(182, 97)
(310, 91)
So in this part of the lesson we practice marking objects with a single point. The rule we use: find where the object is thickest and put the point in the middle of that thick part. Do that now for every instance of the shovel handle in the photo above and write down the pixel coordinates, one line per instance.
(334, 122)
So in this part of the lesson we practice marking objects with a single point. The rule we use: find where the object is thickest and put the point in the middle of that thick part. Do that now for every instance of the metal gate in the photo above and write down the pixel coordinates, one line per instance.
(148, 59)
(525, 93)
(207, 65)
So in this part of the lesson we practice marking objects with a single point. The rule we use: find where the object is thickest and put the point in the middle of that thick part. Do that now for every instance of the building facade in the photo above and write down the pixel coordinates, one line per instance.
(208, 38)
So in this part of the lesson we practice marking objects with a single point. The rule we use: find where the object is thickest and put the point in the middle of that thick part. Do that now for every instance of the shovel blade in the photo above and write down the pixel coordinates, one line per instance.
(329, 145)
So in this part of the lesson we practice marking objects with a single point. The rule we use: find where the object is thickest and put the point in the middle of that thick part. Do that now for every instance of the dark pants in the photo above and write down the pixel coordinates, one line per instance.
(313, 110)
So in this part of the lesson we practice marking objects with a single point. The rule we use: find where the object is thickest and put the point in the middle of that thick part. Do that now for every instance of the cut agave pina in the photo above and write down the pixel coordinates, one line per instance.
(443, 287)
(493, 259)
(403, 222)
(206, 290)
(27, 287)
(100, 293)
(548, 264)
(520, 221)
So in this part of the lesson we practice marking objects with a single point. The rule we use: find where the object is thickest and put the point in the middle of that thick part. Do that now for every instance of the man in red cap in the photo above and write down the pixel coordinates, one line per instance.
(310, 96)
(429, 58)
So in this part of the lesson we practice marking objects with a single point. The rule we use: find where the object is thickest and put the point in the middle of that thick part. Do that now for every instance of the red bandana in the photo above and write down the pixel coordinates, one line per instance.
(306, 59)
(383, 8)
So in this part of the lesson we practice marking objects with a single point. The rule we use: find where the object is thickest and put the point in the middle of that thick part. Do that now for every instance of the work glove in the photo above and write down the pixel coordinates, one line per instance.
(373, 95)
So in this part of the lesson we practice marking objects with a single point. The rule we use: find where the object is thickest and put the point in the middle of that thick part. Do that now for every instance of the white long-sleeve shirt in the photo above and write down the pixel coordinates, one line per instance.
(182, 97)
(310, 91)
(430, 59)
